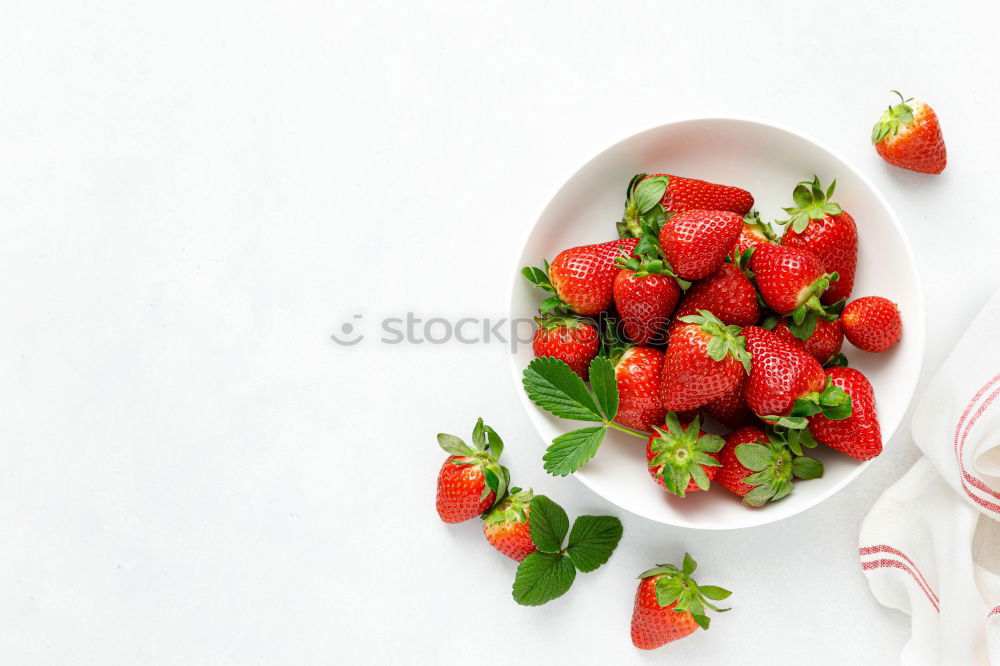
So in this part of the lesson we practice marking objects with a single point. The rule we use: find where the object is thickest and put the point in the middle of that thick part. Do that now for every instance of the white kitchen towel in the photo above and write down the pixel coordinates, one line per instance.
(930, 546)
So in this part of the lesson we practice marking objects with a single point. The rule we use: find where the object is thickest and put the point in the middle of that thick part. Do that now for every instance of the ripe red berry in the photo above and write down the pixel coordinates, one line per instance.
(872, 323)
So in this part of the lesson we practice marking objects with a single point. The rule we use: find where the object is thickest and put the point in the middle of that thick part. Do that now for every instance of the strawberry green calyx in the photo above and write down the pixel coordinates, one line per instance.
(725, 339)
(485, 453)
(540, 278)
(645, 264)
(675, 585)
(774, 465)
(642, 206)
(804, 317)
(755, 222)
(811, 203)
(895, 116)
(682, 452)
(832, 402)
(513, 508)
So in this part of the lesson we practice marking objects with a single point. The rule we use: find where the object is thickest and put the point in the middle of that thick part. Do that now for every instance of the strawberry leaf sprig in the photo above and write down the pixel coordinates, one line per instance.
(554, 387)
(549, 572)
(675, 586)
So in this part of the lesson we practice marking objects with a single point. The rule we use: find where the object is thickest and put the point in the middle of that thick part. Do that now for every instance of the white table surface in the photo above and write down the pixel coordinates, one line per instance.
(194, 195)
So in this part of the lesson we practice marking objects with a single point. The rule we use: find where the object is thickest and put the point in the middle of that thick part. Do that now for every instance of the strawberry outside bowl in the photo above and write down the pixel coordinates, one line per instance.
(768, 160)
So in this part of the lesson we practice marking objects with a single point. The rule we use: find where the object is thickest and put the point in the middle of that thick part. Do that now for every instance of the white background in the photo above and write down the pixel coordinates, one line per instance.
(194, 195)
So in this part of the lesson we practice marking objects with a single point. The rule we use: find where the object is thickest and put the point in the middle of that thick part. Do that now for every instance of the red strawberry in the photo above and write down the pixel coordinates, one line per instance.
(645, 296)
(789, 278)
(688, 193)
(695, 242)
(567, 338)
(705, 359)
(727, 293)
(781, 373)
(582, 278)
(470, 480)
(680, 458)
(822, 345)
(669, 605)
(638, 372)
(872, 323)
(731, 409)
(759, 468)
(858, 435)
(507, 526)
(909, 136)
(754, 232)
(823, 228)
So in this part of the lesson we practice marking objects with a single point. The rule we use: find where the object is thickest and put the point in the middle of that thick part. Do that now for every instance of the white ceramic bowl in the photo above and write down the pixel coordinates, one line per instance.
(768, 161)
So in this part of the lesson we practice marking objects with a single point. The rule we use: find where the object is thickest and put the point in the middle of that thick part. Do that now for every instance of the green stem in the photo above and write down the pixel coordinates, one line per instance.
(626, 430)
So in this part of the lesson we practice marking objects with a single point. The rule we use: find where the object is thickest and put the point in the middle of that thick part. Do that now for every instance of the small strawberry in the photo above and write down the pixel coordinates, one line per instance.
(730, 409)
(822, 344)
(669, 605)
(755, 232)
(581, 278)
(570, 339)
(858, 435)
(705, 359)
(872, 323)
(507, 526)
(688, 193)
(785, 381)
(759, 468)
(645, 294)
(791, 281)
(823, 228)
(696, 242)
(727, 293)
(680, 458)
(470, 481)
(909, 136)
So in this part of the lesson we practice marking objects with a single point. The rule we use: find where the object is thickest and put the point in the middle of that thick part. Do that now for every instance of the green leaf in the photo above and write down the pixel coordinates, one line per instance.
(542, 577)
(569, 451)
(754, 456)
(549, 304)
(479, 435)
(494, 442)
(453, 445)
(605, 386)
(689, 565)
(703, 620)
(807, 468)
(802, 196)
(714, 592)
(549, 524)
(555, 388)
(804, 330)
(837, 412)
(649, 193)
(592, 540)
(759, 496)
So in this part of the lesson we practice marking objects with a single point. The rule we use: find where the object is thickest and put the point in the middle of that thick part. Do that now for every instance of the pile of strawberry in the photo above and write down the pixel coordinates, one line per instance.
(526, 527)
(700, 310)
(535, 531)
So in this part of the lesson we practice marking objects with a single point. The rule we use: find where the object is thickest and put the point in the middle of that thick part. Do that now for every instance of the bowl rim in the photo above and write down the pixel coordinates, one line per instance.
(919, 315)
